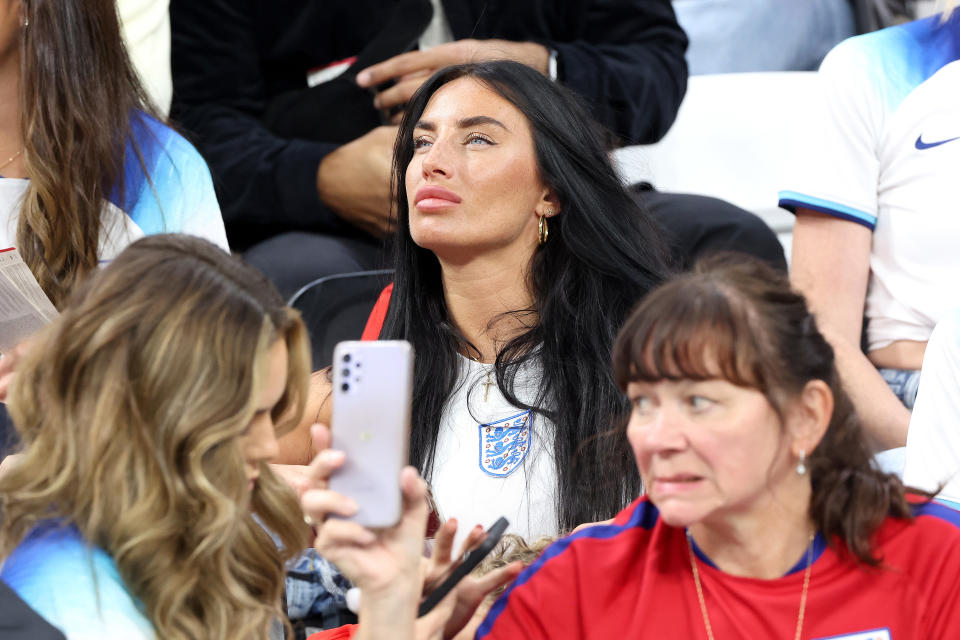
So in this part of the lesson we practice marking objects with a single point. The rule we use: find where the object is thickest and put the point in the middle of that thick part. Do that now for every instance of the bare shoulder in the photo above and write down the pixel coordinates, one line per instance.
(296, 446)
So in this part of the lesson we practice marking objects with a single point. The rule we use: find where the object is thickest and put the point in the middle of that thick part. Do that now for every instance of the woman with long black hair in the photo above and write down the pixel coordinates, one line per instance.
(518, 254)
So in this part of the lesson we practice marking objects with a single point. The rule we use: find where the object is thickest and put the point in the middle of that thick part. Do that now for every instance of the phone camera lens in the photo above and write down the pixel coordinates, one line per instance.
(346, 373)
(346, 358)
(345, 387)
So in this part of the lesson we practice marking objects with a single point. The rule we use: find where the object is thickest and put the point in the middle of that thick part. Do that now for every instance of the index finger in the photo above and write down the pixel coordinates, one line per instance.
(401, 65)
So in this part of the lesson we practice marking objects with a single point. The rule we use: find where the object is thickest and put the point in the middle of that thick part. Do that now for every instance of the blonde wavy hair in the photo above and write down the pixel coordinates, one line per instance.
(130, 408)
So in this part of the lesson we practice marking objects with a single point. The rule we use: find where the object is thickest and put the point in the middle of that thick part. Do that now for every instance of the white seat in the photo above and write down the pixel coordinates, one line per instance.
(738, 137)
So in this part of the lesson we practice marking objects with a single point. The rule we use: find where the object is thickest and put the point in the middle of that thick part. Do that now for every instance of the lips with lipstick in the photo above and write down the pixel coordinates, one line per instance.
(434, 198)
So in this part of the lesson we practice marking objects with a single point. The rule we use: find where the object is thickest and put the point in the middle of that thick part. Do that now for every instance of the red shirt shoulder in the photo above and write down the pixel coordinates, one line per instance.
(378, 315)
(340, 633)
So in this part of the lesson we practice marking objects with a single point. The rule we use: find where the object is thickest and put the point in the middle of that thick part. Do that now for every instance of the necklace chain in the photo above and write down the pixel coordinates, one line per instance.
(703, 604)
(11, 158)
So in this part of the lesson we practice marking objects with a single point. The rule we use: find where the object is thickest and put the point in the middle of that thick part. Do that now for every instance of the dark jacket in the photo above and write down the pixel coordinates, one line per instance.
(232, 58)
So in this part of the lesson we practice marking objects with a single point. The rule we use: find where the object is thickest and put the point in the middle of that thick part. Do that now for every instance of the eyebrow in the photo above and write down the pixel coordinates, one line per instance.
(463, 123)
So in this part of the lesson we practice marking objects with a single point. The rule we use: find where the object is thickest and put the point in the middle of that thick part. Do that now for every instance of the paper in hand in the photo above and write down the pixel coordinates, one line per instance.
(24, 307)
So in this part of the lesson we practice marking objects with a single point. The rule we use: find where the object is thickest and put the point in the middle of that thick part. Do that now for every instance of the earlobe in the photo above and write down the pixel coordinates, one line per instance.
(813, 411)
(549, 204)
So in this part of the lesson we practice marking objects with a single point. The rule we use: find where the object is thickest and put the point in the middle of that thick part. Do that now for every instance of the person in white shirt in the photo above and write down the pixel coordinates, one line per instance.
(876, 228)
(87, 165)
(519, 254)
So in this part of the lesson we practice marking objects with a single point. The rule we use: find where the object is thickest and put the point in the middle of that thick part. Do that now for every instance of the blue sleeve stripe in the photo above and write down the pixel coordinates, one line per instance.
(791, 201)
(938, 509)
(950, 503)
(644, 515)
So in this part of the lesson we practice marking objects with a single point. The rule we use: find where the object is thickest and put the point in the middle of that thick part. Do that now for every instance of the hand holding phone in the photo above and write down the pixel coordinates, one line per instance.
(458, 571)
(448, 581)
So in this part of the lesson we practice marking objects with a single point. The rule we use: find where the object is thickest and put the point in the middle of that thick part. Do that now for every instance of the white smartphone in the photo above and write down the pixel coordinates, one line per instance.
(372, 388)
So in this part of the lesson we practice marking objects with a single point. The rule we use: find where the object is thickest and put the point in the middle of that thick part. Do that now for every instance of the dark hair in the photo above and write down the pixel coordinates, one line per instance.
(736, 318)
(79, 100)
(604, 253)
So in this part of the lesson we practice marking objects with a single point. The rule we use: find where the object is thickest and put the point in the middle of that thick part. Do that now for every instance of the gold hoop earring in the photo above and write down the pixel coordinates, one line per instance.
(543, 229)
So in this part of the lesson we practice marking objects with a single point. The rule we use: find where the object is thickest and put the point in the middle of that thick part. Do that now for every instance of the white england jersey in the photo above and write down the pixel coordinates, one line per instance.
(494, 459)
(888, 157)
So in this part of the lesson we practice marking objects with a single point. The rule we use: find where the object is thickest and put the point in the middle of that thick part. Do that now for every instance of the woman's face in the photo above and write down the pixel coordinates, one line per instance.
(473, 185)
(706, 449)
(259, 441)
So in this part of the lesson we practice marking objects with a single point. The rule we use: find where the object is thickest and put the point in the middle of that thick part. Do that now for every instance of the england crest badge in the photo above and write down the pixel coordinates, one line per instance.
(504, 444)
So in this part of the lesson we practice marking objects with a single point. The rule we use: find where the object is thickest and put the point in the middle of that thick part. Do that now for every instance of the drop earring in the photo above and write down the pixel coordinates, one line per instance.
(801, 463)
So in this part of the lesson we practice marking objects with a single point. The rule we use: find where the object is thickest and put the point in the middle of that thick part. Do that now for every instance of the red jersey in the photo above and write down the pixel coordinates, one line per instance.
(632, 579)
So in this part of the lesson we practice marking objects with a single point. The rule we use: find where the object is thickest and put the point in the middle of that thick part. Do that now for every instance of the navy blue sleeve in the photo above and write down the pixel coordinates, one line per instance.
(628, 61)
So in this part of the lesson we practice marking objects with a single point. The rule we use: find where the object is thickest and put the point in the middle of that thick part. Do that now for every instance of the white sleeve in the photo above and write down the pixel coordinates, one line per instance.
(199, 212)
(933, 440)
(181, 198)
(843, 131)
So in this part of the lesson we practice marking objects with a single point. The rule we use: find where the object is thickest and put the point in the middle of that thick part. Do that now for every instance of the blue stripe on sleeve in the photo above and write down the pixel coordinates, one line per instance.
(644, 515)
(950, 503)
(937, 510)
(791, 201)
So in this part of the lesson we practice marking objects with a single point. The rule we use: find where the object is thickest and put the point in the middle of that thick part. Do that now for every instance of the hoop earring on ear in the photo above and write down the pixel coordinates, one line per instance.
(542, 228)
(801, 462)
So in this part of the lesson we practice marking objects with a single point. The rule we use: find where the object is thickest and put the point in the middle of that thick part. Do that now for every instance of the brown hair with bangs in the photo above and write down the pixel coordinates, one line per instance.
(737, 319)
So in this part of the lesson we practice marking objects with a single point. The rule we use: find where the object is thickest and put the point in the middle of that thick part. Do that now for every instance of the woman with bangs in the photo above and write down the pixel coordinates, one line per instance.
(148, 410)
(764, 516)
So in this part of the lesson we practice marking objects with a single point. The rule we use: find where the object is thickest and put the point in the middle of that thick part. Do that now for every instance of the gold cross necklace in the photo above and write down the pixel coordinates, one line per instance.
(487, 384)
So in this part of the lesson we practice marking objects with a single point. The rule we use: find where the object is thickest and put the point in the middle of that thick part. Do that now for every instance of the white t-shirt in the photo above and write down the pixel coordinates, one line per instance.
(888, 150)
(933, 440)
(493, 459)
